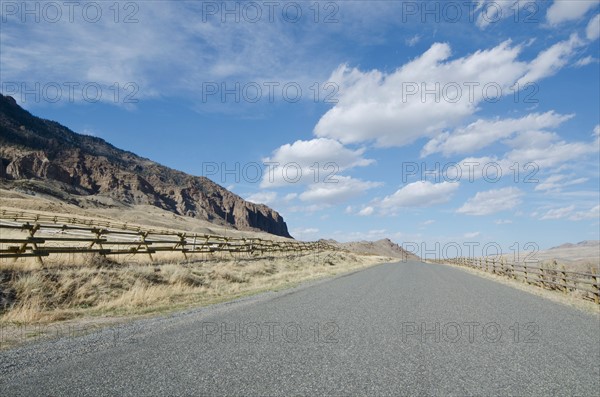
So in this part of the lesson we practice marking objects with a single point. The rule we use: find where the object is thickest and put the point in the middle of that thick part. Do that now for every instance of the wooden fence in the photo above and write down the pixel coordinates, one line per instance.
(587, 285)
(28, 234)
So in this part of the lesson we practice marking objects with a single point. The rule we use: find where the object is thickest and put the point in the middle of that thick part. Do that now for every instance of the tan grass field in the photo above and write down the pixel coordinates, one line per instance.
(574, 299)
(97, 288)
(88, 288)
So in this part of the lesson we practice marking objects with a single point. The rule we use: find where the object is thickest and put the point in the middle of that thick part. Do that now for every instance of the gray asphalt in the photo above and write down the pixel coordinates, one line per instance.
(394, 329)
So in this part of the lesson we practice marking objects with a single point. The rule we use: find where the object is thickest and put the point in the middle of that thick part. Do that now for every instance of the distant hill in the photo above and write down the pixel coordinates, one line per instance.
(578, 256)
(581, 244)
(42, 156)
(575, 257)
(383, 247)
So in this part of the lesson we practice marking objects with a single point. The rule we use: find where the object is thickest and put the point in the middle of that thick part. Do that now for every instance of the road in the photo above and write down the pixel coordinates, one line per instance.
(394, 329)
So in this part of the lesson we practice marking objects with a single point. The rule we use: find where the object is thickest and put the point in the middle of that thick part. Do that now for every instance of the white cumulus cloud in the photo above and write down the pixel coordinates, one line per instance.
(492, 11)
(551, 154)
(558, 213)
(262, 198)
(432, 93)
(483, 133)
(389, 108)
(593, 213)
(585, 61)
(568, 10)
(413, 40)
(313, 161)
(366, 211)
(492, 201)
(557, 182)
(593, 29)
(420, 194)
(335, 193)
(551, 60)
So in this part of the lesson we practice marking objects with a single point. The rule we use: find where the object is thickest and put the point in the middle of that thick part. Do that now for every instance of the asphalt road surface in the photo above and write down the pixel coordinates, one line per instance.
(394, 329)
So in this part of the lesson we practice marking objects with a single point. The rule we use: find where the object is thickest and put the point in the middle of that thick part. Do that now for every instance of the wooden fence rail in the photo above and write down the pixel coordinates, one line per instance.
(40, 235)
(549, 277)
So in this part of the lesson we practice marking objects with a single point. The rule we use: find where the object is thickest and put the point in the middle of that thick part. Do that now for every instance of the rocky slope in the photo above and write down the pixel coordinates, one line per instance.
(42, 156)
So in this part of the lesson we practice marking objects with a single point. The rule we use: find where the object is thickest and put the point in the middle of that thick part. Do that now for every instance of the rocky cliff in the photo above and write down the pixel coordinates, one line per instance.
(72, 165)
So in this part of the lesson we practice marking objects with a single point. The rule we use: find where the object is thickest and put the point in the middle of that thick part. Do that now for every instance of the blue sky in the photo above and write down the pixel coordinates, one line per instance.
(425, 122)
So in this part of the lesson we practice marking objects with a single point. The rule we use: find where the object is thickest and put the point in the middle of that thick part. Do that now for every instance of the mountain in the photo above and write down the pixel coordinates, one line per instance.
(579, 257)
(383, 247)
(581, 244)
(575, 257)
(42, 156)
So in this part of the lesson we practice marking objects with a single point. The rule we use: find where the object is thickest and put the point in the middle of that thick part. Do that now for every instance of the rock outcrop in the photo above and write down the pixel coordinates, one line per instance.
(32, 148)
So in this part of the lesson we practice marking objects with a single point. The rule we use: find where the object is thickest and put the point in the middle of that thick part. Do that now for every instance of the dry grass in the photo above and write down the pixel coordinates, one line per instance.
(574, 299)
(102, 287)
(72, 288)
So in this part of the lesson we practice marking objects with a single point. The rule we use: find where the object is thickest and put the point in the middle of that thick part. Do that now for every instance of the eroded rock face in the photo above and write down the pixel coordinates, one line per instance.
(36, 165)
(34, 148)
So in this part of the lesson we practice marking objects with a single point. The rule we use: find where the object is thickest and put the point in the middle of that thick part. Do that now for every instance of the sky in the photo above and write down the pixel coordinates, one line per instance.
(449, 127)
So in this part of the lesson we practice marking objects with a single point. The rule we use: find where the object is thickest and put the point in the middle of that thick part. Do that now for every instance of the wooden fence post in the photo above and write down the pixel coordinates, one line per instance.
(36, 227)
(144, 235)
(563, 274)
(32, 230)
(596, 278)
(182, 242)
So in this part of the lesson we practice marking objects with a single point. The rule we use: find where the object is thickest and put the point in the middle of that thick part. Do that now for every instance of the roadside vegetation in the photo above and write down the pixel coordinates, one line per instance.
(98, 286)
